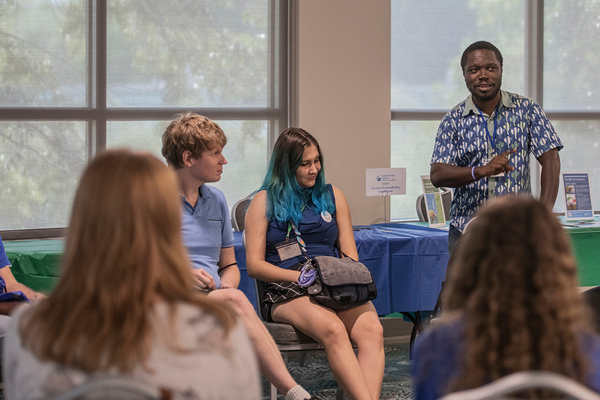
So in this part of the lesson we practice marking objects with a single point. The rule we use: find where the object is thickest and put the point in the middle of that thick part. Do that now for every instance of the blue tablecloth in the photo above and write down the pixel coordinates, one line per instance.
(408, 264)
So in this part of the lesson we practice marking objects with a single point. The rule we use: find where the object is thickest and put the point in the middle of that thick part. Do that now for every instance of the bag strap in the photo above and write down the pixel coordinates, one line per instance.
(344, 254)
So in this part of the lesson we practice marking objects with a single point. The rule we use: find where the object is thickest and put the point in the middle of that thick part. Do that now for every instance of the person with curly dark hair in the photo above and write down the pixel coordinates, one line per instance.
(512, 304)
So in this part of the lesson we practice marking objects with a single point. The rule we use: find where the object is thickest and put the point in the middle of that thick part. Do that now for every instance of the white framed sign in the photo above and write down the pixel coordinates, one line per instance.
(385, 181)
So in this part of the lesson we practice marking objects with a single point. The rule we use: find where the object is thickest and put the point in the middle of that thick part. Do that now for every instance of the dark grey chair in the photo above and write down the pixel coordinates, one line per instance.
(118, 387)
(238, 212)
(519, 381)
(289, 340)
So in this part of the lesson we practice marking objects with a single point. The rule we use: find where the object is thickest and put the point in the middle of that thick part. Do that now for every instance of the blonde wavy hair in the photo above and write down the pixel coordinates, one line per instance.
(514, 280)
(191, 132)
(123, 254)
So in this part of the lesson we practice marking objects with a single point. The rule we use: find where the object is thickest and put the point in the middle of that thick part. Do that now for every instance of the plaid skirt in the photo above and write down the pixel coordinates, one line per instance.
(276, 292)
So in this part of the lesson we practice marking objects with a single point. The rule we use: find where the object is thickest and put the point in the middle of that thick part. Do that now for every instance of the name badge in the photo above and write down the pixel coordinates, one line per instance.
(486, 160)
(287, 250)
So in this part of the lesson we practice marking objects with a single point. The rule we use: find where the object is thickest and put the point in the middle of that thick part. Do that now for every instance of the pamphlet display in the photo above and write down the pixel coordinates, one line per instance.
(577, 196)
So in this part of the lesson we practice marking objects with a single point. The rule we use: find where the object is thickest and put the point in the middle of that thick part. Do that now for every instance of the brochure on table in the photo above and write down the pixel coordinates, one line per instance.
(386, 181)
(433, 201)
(577, 196)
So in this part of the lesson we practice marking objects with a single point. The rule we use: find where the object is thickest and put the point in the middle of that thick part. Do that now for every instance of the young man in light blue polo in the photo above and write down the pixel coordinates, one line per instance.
(193, 147)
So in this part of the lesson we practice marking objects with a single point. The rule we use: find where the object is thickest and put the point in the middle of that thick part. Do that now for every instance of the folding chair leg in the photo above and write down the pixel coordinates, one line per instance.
(339, 393)
(302, 359)
(413, 335)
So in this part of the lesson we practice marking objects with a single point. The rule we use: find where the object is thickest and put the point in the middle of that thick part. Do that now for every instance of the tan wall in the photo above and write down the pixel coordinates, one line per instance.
(343, 88)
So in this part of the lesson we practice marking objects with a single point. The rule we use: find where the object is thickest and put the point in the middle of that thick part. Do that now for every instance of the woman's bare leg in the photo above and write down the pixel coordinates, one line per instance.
(366, 332)
(269, 358)
(324, 325)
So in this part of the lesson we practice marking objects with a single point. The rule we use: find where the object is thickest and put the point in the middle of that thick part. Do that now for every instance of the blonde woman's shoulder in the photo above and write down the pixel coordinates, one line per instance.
(202, 359)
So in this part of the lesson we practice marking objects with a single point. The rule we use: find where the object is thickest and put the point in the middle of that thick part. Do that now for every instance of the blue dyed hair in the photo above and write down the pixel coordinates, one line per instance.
(285, 197)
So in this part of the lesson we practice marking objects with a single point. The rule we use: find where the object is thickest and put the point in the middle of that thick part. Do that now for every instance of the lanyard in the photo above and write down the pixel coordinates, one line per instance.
(292, 225)
(485, 125)
(307, 273)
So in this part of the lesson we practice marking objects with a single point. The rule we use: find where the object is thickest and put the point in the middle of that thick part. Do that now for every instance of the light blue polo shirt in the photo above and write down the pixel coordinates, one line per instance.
(4, 262)
(206, 230)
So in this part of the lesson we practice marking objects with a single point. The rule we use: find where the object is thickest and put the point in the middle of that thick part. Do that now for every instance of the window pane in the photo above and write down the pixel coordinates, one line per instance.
(43, 53)
(246, 151)
(428, 38)
(580, 154)
(571, 61)
(138, 135)
(195, 53)
(412, 145)
(40, 163)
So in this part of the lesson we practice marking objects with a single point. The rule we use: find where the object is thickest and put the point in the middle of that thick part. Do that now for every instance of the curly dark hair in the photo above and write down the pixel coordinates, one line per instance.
(514, 280)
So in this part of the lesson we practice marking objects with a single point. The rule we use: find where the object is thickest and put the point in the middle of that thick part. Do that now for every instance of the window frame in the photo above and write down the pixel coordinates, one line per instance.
(97, 114)
(534, 87)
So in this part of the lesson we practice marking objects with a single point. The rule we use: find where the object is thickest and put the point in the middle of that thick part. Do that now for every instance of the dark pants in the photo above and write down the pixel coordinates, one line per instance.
(453, 237)
(592, 298)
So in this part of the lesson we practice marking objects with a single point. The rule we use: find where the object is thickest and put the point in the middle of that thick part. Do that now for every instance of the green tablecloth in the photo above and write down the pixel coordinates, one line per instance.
(585, 240)
(586, 247)
(36, 262)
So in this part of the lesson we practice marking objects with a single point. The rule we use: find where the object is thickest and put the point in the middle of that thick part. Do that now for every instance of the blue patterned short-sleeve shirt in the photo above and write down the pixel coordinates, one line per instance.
(462, 140)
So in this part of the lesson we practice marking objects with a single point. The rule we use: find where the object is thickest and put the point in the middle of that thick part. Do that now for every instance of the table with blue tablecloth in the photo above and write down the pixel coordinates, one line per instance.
(408, 264)
(408, 261)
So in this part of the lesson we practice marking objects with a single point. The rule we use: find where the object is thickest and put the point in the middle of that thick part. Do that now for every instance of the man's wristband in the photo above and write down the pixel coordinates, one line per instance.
(473, 174)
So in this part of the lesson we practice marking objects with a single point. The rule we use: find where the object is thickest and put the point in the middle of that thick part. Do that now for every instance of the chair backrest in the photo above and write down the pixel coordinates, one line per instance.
(116, 387)
(446, 203)
(238, 212)
(524, 380)
(422, 208)
(260, 287)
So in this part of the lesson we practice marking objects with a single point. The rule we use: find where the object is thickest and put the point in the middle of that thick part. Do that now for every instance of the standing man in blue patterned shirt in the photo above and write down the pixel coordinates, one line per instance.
(483, 144)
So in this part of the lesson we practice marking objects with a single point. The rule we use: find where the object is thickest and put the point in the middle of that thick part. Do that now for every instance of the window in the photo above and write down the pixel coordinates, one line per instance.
(77, 77)
(548, 50)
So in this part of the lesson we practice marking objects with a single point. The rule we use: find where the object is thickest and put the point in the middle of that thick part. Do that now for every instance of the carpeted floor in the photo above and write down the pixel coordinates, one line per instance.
(315, 375)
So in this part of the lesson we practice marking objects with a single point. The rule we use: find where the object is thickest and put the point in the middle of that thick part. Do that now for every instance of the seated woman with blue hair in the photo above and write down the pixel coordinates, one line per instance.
(296, 203)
